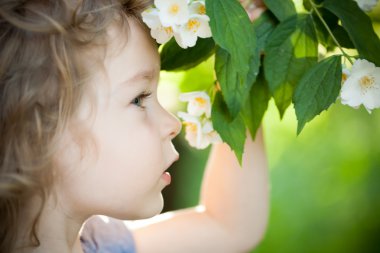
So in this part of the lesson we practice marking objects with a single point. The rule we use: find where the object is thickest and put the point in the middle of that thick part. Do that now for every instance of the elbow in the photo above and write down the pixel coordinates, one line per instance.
(251, 244)
(247, 240)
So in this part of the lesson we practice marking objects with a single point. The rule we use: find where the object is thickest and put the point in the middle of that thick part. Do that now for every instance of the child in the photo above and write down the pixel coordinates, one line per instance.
(82, 134)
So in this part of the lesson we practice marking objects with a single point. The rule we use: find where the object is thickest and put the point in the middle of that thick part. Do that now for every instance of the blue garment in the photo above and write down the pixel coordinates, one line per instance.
(102, 234)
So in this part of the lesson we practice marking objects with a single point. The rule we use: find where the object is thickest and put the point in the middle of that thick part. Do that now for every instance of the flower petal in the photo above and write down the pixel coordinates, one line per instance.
(371, 98)
(197, 7)
(187, 37)
(193, 130)
(204, 30)
(362, 67)
(172, 12)
(351, 93)
(207, 127)
(151, 18)
(367, 5)
(179, 40)
(198, 103)
(214, 137)
(162, 34)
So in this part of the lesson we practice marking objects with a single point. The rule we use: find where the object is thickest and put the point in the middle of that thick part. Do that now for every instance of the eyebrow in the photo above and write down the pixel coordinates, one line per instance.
(147, 74)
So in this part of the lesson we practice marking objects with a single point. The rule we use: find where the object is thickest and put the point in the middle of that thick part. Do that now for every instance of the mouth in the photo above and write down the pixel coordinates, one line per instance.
(166, 175)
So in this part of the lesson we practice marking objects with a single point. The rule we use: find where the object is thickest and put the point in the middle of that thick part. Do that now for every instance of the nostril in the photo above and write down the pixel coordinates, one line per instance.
(171, 125)
(176, 127)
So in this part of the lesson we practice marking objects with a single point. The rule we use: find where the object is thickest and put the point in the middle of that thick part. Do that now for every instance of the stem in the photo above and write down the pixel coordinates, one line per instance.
(315, 8)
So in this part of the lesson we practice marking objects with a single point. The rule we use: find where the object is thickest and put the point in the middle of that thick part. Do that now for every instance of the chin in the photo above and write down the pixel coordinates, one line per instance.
(152, 208)
(148, 210)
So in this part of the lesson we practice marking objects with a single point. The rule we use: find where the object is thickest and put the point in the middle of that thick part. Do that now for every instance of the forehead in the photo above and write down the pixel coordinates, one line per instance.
(130, 52)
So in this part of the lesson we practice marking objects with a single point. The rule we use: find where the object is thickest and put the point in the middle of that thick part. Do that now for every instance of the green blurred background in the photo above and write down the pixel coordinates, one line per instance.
(325, 183)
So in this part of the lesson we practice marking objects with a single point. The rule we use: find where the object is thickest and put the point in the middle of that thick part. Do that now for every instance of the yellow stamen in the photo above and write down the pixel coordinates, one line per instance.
(201, 101)
(193, 24)
(367, 82)
(174, 9)
(168, 30)
(190, 127)
(202, 9)
(344, 77)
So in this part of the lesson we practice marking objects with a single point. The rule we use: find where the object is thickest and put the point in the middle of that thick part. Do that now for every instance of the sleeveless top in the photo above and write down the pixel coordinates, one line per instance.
(103, 234)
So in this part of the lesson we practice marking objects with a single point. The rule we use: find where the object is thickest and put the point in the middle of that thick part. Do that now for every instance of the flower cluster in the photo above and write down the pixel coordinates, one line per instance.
(367, 5)
(199, 130)
(361, 85)
(184, 20)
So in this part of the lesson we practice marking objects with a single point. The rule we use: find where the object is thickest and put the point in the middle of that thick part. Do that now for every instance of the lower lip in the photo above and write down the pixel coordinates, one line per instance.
(166, 177)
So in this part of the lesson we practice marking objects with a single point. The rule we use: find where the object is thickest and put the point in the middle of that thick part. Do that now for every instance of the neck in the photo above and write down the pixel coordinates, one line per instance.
(57, 230)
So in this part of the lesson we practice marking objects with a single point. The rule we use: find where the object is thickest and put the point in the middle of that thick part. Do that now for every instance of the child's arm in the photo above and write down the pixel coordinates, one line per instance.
(233, 213)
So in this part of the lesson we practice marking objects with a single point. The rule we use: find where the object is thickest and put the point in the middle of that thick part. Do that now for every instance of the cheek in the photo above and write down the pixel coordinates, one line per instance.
(122, 171)
(130, 155)
(130, 140)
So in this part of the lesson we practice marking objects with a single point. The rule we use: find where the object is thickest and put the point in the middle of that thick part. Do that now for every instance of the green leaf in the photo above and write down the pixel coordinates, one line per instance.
(359, 27)
(342, 37)
(232, 31)
(175, 58)
(291, 50)
(256, 104)
(234, 92)
(323, 35)
(317, 90)
(338, 31)
(263, 27)
(230, 81)
(232, 131)
(282, 9)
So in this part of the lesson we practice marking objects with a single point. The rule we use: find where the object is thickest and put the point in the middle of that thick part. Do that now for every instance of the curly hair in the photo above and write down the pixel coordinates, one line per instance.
(42, 81)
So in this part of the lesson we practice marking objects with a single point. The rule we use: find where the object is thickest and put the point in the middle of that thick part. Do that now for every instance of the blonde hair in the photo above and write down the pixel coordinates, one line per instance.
(42, 81)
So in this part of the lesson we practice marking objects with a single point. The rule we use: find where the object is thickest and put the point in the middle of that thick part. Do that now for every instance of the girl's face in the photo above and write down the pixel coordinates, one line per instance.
(132, 133)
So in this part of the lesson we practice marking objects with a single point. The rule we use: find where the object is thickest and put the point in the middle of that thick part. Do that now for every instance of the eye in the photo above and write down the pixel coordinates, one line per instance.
(139, 100)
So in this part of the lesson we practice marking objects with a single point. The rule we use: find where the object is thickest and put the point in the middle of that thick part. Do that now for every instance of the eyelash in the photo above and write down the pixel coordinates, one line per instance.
(139, 100)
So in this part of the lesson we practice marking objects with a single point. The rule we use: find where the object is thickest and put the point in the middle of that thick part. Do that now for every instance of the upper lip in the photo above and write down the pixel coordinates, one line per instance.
(173, 160)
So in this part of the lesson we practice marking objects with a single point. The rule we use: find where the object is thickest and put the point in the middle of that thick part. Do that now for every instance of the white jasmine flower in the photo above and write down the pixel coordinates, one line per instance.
(160, 33)
(193, 130)
(172, 12)
(198, 126)
(186, 22)
(196, 26)
(210, 133)
(199, 135)
(197, 7)
(362, 86)
(367, 5)
(198, 103)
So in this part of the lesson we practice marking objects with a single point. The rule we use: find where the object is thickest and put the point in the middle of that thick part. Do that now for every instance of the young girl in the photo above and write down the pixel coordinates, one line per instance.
(82, 134)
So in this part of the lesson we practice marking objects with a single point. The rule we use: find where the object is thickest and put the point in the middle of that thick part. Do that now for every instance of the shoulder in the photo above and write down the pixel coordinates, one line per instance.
(104, 234)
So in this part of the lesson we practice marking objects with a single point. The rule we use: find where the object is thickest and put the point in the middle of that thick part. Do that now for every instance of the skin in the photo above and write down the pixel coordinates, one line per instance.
(132, 149)
(126, 129)
(122, 174)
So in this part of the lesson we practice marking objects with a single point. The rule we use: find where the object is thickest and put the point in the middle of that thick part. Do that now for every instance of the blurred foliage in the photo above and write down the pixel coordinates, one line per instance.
(325, 183)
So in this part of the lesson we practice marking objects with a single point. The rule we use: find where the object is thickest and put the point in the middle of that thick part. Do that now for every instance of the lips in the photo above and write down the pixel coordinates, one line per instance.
(166, 177)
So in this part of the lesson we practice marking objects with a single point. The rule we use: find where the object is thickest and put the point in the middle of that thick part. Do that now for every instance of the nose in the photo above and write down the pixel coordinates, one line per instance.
(171, 125)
